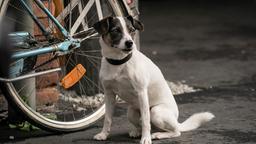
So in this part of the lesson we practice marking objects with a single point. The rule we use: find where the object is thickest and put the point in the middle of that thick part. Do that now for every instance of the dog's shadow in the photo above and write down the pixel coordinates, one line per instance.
(123, 138)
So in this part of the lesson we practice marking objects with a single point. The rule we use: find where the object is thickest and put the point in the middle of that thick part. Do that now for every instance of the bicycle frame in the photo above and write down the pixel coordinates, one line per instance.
(63, 47)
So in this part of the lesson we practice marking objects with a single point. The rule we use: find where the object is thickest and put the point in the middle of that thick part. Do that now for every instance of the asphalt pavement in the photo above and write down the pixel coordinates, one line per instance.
(207, 45)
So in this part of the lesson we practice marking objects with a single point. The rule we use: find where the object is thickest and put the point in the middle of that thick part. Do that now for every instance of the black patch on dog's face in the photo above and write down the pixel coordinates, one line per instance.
(115, 33)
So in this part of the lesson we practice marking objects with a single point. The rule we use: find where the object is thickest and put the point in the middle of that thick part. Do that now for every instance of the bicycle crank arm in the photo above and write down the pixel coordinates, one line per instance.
(27, 76)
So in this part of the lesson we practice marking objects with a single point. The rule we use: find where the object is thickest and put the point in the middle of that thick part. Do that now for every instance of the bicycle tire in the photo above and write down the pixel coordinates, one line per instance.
(12, 92)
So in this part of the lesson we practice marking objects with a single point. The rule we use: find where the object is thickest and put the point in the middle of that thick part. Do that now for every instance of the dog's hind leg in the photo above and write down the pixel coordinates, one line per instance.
(134, 118)
(164, 119)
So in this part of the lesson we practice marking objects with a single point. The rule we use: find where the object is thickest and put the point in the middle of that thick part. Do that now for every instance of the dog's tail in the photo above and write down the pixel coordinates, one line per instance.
(195, 121)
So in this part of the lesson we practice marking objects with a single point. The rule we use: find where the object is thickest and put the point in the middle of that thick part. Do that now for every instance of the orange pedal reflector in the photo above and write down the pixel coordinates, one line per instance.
(73, 76)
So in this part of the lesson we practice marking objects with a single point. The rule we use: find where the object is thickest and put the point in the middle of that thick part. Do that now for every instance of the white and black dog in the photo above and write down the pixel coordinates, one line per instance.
(132, 76)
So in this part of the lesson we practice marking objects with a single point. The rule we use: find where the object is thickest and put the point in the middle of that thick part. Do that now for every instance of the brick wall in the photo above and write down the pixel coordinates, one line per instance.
(42, 17)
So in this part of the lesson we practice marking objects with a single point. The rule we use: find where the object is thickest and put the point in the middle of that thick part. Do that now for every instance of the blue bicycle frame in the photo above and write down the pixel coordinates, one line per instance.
(62, 47)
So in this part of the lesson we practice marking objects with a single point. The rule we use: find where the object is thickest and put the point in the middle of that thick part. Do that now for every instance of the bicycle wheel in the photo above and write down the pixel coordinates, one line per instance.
(43, 100)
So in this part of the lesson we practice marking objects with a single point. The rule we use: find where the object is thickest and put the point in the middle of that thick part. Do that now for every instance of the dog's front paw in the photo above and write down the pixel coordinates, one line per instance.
(135, 133)
(100, 136)
(146, 140)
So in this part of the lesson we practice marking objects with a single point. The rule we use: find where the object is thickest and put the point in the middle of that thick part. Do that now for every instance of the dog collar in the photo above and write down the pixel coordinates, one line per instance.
(119, 62)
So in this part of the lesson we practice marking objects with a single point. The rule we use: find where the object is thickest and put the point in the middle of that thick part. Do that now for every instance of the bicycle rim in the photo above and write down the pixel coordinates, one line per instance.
(43, 100)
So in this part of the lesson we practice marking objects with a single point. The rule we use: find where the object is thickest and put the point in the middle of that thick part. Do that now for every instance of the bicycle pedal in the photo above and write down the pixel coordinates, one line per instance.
(73, 76)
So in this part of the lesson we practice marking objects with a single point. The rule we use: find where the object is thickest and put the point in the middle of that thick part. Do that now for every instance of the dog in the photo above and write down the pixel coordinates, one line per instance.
(128, 73)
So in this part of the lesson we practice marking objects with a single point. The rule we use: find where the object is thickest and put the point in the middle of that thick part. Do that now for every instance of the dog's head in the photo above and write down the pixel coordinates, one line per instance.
(118, 32)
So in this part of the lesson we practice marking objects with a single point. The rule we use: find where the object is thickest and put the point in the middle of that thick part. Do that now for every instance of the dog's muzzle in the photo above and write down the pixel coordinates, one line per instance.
(128, 46)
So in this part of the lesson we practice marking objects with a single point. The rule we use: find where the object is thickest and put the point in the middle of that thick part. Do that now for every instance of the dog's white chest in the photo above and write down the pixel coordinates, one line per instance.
(125, 90)
(121, 82)
(123, 85)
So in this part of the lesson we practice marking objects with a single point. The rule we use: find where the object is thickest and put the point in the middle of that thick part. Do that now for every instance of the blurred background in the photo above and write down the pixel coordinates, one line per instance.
(202, 43)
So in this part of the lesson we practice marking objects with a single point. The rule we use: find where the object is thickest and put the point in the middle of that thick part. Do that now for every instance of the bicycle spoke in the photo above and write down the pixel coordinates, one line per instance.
(80, 8)
(70, 17)
(85, 77)
(96, 85)
(67, 10)
(87, 98)
(67, 61)
(99, 10)
(90, 37)
(87, 80)
(3, 8)
(90, 51)
(18, 9)
(23, 24)
(22, 88)
(81, 16)
(94, 63)
(86, 55)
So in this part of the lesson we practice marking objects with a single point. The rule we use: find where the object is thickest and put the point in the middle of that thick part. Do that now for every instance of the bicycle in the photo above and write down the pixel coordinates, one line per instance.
(61, 66)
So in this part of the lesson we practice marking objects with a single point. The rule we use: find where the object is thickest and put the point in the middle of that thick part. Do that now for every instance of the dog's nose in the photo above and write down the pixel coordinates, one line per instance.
(128, 44)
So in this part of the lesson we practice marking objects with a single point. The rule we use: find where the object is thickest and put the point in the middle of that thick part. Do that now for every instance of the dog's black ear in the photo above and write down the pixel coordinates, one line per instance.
(136, 24)
(102, 26)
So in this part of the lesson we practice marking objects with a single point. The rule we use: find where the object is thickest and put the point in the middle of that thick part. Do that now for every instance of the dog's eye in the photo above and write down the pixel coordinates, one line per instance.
(114, 30)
